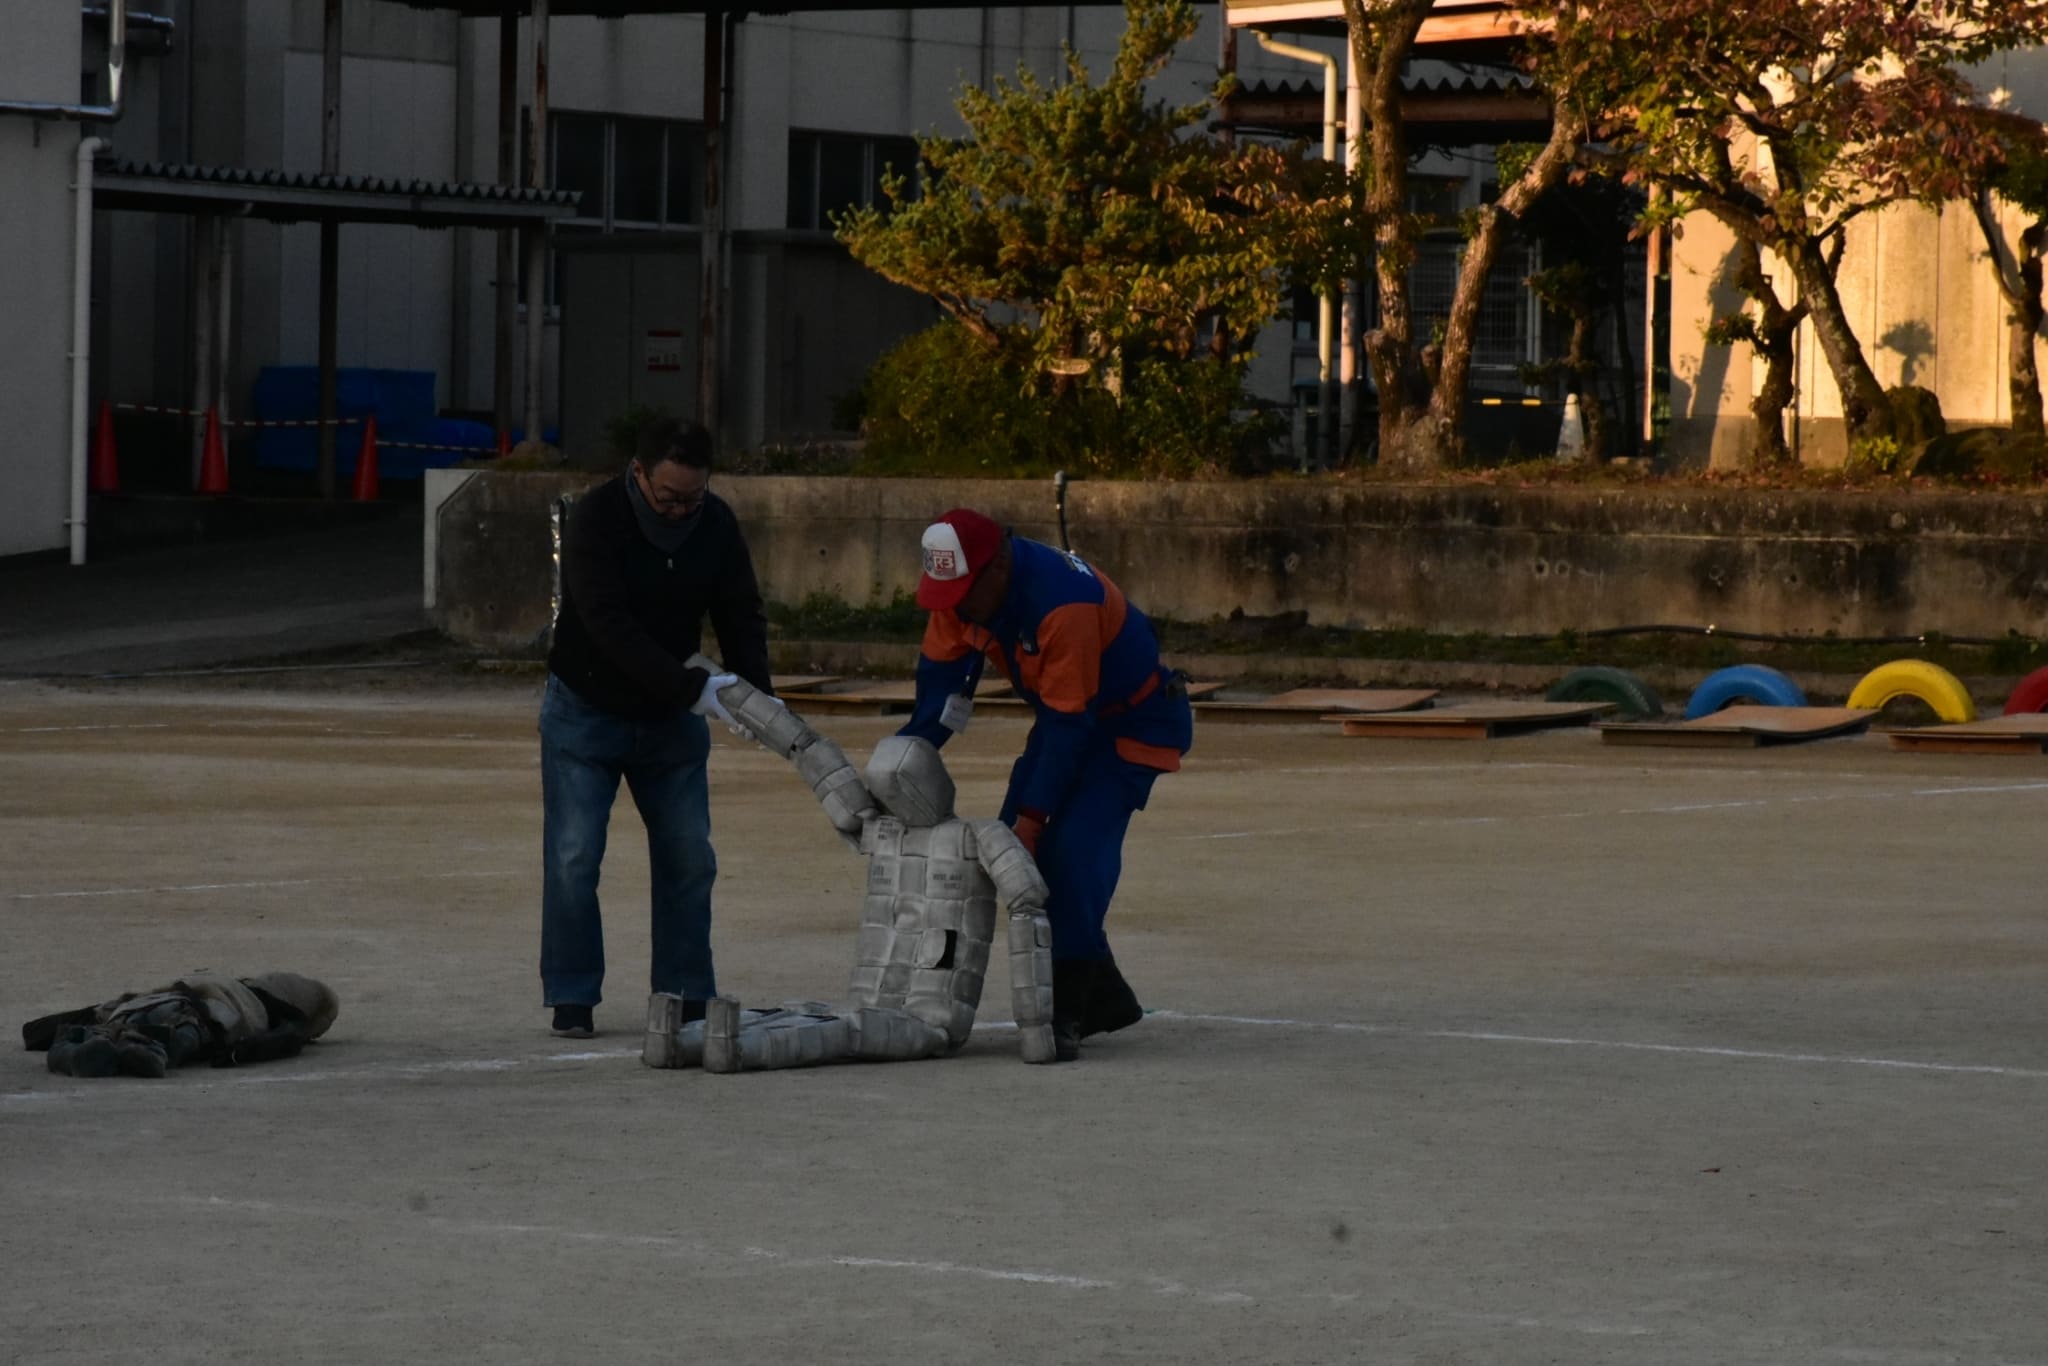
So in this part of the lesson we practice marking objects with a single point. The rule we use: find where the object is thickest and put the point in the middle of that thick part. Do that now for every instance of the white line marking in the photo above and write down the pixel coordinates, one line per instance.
(271, 882)
(1562, 1041)
(460, 1065)
(44, 730)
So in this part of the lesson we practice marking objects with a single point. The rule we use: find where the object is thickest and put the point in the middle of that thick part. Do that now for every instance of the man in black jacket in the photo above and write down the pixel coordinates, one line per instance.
(645, 558)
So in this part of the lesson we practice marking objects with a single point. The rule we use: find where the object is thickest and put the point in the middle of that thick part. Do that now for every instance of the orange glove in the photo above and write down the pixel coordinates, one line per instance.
(1030, 826)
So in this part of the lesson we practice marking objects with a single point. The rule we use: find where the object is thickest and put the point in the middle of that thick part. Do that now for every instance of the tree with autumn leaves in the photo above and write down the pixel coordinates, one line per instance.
(1786, 121)
(1087, 233)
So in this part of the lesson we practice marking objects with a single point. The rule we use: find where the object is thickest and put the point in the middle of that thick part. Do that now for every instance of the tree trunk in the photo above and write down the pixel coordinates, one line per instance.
(2024, 380)
(1441, 439)
(1776, 328)
(1382, 36)
(1864, 408)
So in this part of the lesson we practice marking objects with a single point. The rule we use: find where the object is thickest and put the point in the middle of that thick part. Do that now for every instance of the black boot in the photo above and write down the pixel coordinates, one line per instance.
(1072, 983)
(1111, 1003)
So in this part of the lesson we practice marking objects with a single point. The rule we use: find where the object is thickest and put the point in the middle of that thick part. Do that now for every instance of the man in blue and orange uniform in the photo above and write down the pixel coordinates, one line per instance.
(1108, 720)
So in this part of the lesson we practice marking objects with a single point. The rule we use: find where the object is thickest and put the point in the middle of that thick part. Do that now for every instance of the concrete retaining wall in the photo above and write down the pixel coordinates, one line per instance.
(1458, 559)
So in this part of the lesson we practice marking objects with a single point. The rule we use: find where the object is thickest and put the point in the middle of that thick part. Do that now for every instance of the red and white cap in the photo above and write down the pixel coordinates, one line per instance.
(956, 548)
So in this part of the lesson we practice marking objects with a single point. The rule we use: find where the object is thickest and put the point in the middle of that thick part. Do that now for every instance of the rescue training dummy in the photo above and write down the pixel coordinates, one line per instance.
(200, 1018)
(927, 924)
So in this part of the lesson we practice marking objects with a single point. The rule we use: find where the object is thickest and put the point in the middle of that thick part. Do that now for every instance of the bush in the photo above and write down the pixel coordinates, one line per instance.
(1916, 414)
(944, 402)
(1979, 451)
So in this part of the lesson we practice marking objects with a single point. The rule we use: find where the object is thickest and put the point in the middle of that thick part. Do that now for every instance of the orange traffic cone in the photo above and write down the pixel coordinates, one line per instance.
(213, 461)
(504, 442)
(106, 470)
(366, 463)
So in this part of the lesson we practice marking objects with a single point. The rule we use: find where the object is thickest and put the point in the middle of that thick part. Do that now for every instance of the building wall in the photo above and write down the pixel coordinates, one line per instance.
(40, 60)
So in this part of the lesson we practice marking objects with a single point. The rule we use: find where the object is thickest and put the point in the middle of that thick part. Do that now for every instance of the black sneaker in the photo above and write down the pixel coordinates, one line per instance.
(574, 1022)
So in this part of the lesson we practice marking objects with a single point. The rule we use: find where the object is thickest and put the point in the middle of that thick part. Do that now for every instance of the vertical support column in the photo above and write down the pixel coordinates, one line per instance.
(506, 330)
(1354, 290)
(330, 236)
(712, 237)
(537, 234)
(205, 297)
(223, 314)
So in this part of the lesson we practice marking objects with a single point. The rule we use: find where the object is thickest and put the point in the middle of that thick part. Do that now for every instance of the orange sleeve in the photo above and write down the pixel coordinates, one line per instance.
(1070, 657)
(946, 638)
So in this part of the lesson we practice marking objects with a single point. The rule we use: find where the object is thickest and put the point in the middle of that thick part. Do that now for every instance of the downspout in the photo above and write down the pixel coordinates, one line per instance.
(1326, 312)
(117, 56)
(81, 333)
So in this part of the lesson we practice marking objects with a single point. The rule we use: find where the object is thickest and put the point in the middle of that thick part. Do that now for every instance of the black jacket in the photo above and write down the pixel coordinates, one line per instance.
(631, 614)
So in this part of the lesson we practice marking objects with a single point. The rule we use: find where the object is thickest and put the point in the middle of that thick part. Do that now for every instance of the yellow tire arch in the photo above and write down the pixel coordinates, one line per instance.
(1931, 683)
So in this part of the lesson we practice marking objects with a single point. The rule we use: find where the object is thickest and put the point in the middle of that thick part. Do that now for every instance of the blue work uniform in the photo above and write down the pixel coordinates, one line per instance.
(1108, 720)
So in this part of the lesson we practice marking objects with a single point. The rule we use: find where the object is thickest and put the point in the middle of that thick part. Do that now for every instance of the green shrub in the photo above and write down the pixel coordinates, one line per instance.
(944, 402)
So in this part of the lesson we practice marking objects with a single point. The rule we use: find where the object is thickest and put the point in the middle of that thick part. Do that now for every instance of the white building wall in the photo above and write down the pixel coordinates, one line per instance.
(39, 60)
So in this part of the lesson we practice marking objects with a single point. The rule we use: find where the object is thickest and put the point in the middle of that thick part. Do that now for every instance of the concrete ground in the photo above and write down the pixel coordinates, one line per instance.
(1503, 1052)
(191, 606)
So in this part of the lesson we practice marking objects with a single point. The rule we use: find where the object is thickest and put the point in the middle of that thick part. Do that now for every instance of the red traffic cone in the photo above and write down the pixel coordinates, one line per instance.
(504, 442)
(106, 470)
(365, 490)
(213, 461)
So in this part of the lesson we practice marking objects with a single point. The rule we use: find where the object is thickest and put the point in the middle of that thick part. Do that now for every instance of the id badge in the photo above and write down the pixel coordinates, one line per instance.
(958, 711)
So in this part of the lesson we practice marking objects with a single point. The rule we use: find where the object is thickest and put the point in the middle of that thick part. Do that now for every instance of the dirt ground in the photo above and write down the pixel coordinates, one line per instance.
(1505, 1052)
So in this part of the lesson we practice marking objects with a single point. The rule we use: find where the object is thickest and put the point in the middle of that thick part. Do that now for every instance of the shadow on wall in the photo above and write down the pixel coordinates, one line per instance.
(1914, 342)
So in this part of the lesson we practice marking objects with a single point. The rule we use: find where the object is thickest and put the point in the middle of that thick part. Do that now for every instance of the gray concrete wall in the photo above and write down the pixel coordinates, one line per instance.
(40, 60)
(1442, 559)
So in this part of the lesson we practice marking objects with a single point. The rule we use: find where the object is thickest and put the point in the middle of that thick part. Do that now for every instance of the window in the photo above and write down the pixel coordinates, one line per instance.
(830, 173)
(633, 174)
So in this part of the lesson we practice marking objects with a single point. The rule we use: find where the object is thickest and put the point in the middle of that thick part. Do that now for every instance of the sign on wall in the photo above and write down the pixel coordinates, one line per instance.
(661, 351)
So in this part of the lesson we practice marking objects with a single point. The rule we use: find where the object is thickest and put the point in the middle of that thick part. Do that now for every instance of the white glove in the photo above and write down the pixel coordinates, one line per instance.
(707, 703)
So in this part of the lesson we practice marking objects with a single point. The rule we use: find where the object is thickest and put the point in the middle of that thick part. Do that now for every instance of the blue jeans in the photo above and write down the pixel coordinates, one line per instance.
(584, 751)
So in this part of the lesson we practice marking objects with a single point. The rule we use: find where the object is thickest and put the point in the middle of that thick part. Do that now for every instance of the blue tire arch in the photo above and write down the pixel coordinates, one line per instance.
(1758, 684)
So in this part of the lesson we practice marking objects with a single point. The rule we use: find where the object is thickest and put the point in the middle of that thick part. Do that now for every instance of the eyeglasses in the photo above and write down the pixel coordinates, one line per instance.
(666, 499)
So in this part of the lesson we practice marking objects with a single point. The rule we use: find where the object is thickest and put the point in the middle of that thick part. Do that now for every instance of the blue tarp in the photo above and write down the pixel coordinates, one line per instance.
(403, 401)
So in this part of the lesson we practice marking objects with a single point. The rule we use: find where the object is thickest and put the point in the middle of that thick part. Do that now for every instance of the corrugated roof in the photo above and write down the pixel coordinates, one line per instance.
(303, 180)
(302, 196)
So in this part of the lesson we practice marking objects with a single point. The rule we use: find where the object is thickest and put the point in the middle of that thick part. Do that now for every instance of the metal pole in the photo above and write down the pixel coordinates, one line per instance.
(1354, 290)
(205, 245)
(223, 314)
(536, 235)
(507, 321)
(712, 238)
(330, 237)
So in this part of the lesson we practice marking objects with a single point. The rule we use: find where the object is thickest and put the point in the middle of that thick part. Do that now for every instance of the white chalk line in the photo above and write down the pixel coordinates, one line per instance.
(265, 882)
(1673, 809)
(694, 1249)
(1624, 1045)
(1385, 1031)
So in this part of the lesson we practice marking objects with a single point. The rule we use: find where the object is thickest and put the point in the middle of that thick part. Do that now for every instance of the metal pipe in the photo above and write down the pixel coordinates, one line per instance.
(81, 334)
(330, 244)
(1326, 315)
(205, 245)
(1354, 290)
(117, 58)
(537, 235)
(711, 237)
(506, 322)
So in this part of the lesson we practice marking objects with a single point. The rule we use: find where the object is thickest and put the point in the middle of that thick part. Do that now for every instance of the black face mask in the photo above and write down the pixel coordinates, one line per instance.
(661, 533)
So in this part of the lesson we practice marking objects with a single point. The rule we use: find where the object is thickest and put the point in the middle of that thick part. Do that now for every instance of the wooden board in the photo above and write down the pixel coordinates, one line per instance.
(1472, 720)
(1007, 697)
(789, 683)
(2026, 733)
(1742, 727)
(1303, 703)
